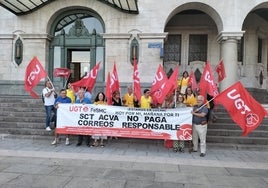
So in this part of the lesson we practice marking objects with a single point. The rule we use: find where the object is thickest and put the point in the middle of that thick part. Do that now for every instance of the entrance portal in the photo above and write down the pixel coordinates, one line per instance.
(79, 63)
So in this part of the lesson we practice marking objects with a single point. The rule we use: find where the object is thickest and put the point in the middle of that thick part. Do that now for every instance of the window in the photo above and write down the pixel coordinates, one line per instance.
(172, 48)
(240, 50)
(197, 48)
(259, 50)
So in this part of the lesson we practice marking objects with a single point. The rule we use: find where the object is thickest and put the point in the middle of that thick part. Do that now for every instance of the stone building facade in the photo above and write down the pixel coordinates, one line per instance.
(77, 34)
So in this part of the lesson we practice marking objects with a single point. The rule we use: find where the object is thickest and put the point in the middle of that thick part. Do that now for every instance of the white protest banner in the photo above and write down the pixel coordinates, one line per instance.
(90, 119)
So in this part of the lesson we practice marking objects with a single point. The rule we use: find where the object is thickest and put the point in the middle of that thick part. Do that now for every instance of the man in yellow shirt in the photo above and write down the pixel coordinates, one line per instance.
(128, 98)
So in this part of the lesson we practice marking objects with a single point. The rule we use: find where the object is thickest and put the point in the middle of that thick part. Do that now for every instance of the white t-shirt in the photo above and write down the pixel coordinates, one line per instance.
(48, 100)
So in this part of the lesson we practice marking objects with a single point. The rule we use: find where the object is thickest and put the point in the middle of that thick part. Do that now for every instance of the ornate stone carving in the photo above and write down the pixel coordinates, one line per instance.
(78, 29)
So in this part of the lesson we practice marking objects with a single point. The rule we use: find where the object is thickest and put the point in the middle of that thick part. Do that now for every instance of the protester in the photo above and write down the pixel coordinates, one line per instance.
(168, 103)
(189, 97)
(128, 98)
(61, 99)
(49, 94)
(116, 99)
(200, 112)
(87, 94)
(183, 82)
(146, 99)
(82, 100)
(70, 92)
(99, 100)
(178, 145)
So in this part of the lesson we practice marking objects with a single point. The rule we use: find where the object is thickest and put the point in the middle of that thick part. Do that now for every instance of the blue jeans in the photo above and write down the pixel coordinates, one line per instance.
(50, 109)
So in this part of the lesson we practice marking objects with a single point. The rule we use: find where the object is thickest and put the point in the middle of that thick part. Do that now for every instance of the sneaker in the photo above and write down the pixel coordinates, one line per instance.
(54, 142)
(67, 142)
(202, 155)
(48, 129)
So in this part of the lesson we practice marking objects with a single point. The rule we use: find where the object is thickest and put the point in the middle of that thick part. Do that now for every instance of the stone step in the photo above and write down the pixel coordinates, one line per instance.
(18, 105)
(22, 108)
(233, 126)
(25, 118)
(26, 131)
(36, 115)
(224, 132)
(18, 125)
(237, 140)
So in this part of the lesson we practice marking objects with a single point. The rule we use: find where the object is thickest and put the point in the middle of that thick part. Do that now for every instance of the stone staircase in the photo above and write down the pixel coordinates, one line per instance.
(225, 132)
(24, 117)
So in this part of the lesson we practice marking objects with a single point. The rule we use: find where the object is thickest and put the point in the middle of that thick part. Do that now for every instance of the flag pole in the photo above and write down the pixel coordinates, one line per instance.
(50, 82)
(204, 104)
(66, 81)
(175, 100)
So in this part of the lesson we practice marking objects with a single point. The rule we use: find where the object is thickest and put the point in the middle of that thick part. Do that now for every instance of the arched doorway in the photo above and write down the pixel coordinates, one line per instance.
(77, 44)
(190, 42)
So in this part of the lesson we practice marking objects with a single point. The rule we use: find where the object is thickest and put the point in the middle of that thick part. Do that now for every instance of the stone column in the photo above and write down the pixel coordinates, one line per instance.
(228, 42)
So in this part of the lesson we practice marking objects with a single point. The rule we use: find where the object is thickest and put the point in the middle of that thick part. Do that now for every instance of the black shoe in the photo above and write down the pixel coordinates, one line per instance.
(202, 155)
(175, 150)
(78, 144)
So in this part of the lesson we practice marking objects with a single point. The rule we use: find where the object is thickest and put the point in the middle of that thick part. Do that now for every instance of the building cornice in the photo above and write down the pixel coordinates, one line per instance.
(152, 35)
(116, 35)
(227, 35)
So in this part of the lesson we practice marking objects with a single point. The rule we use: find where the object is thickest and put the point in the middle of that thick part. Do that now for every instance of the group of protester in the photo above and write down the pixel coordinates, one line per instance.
(182, 97)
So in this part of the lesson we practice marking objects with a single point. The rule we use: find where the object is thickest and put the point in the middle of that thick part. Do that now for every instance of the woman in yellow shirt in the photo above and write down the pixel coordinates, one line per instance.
(183, 82)
(99, 100)
(70, 92)
(189, 97)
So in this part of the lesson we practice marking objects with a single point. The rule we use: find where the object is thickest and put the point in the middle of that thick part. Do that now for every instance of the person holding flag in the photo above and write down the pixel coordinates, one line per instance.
(200, 112)
(49, 95)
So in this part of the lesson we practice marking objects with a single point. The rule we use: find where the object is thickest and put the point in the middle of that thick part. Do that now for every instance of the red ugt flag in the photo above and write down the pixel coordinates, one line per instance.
(192, 81)
(34, 73)
(171, 84)
(158, 85)
(62, 72)
(242, 107)
(207, 82)
(89, 80)
(221, 71)
(114, 80)
(136, 80)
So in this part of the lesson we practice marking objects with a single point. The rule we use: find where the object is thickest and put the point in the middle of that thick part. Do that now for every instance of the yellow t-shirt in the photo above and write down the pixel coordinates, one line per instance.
(129, 100)
(146, 102)
(190, 100)
(183, 84)
(70, 93)
(100, 102)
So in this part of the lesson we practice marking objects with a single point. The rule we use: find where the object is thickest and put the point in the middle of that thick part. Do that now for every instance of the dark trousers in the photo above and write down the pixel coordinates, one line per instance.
(80, 139)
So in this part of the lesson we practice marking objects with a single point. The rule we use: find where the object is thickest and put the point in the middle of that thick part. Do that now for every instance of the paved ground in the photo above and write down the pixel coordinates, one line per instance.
(126, 163)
